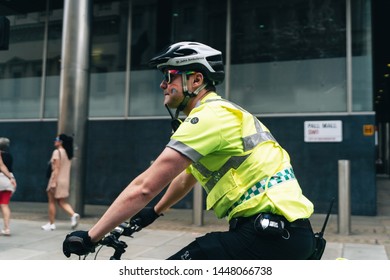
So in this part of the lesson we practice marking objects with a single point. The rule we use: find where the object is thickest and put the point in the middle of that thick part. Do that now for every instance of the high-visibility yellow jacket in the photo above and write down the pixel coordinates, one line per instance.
(238, 162)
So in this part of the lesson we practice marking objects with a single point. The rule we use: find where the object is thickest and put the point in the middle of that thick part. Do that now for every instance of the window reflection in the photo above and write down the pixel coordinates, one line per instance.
(156, 24)
(287, 56)
(21, 67)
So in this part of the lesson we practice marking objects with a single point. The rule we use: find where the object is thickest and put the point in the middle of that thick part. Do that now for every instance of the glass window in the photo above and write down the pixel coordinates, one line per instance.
(108, 59)
(289, 56)
(157, 24)
(361, 56)
(145, 98)
(53, 64)
(21, 67)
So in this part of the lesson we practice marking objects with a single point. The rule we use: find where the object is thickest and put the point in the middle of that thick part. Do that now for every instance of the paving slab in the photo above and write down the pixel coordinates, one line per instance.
(30, 242)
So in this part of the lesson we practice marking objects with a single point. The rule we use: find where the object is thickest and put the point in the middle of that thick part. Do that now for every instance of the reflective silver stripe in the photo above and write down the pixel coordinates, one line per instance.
(259, 187)
(185, 150)
(253, 140)
(249, 143)
(202, 169)
(215, 176)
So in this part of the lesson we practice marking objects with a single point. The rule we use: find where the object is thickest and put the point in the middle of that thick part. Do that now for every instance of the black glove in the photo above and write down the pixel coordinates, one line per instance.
(79, 243)
(145, 217)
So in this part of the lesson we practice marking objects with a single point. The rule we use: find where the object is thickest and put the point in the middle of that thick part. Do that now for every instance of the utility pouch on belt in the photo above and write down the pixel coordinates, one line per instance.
(266, 223)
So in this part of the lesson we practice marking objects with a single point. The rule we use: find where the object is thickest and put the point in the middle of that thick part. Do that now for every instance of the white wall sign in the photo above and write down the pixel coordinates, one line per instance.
(323, 131)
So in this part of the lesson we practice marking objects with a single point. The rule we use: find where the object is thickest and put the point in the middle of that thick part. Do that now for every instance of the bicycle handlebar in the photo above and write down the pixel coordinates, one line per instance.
(112, 240)
(126, 228)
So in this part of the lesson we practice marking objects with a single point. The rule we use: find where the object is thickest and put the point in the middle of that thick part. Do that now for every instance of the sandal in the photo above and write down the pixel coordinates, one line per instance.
(5, 232)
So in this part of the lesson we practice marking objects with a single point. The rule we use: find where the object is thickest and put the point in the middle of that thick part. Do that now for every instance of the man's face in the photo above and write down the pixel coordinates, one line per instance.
(172, 86)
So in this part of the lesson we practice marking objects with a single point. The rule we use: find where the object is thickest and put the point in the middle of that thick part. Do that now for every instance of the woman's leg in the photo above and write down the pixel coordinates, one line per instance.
(62, 202)
(4, 204)
(6, 215)
(74, 217)
(51, 207)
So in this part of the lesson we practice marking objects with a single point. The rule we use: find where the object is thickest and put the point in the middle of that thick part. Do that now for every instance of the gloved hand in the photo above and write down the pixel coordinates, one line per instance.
(145, 217)
(79, 243)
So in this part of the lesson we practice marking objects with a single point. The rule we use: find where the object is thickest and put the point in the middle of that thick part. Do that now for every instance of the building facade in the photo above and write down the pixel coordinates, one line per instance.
(304, 67)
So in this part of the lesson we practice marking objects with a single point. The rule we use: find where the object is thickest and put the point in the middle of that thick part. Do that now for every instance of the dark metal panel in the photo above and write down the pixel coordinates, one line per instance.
(119, 150)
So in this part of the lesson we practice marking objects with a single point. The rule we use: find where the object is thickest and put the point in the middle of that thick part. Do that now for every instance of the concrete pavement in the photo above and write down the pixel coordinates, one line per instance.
(369, 238)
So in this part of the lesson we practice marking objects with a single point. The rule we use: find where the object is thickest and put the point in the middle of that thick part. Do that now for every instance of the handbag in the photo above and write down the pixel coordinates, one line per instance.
(5, 183)
(49, 168)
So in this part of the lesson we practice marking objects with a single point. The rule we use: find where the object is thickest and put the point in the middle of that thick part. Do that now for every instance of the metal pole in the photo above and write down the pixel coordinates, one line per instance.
(74, 88)
(344, 215)
(197, 209)
(386, 140)
(128, 59)
(349, 55)
(44, 62)
(228, 49)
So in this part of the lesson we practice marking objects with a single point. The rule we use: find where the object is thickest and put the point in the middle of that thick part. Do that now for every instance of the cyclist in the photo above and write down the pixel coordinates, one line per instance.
(247, 175)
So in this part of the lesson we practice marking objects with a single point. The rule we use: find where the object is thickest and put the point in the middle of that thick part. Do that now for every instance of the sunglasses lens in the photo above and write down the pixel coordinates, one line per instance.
(169, 74)
(167, 77)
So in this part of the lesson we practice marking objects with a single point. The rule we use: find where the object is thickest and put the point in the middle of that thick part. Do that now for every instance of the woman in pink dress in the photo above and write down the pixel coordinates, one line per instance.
(59, 182)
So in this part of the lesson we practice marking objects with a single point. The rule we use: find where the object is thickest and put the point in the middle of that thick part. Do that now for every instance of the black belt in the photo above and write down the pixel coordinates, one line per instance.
(300, 223)
(239, 221)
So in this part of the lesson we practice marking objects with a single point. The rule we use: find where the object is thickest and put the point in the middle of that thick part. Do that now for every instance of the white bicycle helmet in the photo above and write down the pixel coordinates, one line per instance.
(192, 56)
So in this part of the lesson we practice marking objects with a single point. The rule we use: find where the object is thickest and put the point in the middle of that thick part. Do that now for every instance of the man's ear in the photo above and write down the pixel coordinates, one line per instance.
(198, 79)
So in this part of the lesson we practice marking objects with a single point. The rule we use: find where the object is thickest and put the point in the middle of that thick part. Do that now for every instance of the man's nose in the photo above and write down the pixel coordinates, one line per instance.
(163, 84)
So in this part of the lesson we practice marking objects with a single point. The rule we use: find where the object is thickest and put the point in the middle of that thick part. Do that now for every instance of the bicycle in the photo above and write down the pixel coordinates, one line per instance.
(129, 228)
(112, 239)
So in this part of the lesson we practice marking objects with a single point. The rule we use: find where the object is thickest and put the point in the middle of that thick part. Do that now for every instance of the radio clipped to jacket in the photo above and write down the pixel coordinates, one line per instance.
(266, 223)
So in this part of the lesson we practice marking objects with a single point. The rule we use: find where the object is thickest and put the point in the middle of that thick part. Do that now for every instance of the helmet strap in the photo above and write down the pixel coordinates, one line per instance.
(175, 122)
(187, 94)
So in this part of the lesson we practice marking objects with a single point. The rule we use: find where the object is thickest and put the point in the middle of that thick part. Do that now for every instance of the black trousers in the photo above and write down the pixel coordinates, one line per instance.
(245, 243)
